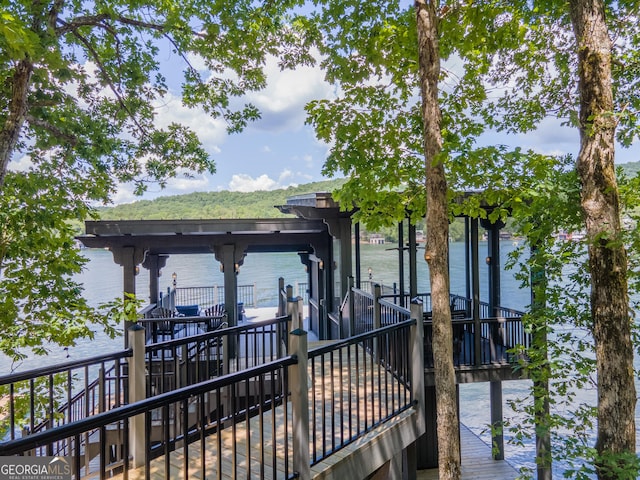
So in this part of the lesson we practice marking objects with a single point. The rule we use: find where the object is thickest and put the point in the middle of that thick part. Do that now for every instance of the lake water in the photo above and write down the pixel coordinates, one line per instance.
(103, 281)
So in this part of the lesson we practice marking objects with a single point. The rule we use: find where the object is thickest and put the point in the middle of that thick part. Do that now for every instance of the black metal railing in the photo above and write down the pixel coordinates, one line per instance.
(208, 296)
(363, 311)
(165, 328)
(490, 340)
(203, 413)
(241, 423)
(191, 359)
(49, 397)
(357, 384)
(498, 339)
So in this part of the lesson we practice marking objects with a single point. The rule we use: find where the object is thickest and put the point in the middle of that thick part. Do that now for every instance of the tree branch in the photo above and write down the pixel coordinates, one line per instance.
(38, 122)
(110, 82)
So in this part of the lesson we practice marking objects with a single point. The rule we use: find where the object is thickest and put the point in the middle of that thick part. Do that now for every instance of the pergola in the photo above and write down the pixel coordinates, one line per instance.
(319, 230)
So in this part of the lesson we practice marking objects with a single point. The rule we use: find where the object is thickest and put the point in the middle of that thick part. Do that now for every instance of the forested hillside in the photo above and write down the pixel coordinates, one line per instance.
(630, 169)
(211, 205)
(227, 204)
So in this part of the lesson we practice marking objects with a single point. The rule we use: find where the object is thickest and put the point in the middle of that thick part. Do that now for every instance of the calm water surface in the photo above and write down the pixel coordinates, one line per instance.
(103, 281)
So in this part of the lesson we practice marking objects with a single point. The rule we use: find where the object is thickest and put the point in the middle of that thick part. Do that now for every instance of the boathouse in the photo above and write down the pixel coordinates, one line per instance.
(361, 328)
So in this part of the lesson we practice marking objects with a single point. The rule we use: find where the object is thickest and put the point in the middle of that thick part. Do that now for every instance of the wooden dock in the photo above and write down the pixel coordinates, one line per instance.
(477, 463)
(254, 447)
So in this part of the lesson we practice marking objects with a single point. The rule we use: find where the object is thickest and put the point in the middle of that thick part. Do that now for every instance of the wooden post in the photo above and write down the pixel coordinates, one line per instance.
(416, 353)
(137, 392)
(282, 309)
(497, 438)
(352, 308)
(292, 309)
(299, 388)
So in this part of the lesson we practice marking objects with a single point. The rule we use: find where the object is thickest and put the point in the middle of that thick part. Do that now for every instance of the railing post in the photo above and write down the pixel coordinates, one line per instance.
(282, 309)
(377, 317)
(293, 310)
(102, 391)
(299, 388)
(137, 392)
(300, 310)
(416, 352)
(255, 295)
(377, 309)
(352, 309)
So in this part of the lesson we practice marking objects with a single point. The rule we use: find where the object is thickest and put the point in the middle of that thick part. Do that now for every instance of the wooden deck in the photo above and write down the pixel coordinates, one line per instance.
(477, 463)
(246, 449)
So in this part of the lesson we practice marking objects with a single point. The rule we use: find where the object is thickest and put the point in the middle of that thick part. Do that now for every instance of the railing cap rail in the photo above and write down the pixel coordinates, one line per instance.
(62, 367)
(144, 406)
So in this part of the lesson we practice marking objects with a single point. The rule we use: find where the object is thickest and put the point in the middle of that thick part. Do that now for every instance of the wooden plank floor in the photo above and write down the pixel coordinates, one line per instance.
(477, 463)
(246, 449)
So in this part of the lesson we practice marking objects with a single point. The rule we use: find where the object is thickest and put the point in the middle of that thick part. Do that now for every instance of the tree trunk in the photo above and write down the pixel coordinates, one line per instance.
(437, 243)
(10, 132)
(607, 255)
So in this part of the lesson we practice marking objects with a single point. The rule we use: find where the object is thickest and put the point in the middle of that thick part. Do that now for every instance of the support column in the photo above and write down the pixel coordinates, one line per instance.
(358, 259)
(475, 285)
(497, 438)
(467, 259)
(346, 256)
(495, 340)
(401, 261)
(137, 392)
(413, 265)
(427, 444)
(298, 385)
(128, 281)
(230, 283)
(542, 374)
(154, 263)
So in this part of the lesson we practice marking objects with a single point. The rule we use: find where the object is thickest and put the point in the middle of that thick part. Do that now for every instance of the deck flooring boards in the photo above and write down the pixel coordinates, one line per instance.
(250, 450)
(477, 463)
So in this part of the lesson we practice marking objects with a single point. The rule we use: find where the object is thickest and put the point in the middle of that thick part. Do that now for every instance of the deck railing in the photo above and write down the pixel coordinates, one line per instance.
(247, 424)
(372, 385)
(488, 340)
(210, 296)
(48, 397)
(198, 412)
(178, 362)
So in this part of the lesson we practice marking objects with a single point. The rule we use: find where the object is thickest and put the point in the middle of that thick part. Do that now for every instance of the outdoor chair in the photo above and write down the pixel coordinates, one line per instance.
(163, 327)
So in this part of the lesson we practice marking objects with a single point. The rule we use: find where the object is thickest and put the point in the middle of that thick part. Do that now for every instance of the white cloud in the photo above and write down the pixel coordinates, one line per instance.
(211, 131)
(282, 101)
(22, 164)
(285, 175)
(183, 184)
(124, 194)
(245, 183)
(266, 149)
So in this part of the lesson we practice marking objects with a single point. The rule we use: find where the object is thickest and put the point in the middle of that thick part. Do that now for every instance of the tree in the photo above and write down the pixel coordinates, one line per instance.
(517, 66)
(384, 57)
(437, 242)
(580, 57)
(607, 255)
(81, 80)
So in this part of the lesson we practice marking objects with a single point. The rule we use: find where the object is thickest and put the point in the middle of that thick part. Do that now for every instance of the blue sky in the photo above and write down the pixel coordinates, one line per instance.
(279, 150)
